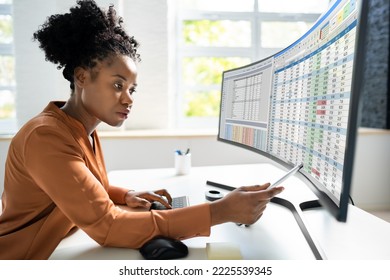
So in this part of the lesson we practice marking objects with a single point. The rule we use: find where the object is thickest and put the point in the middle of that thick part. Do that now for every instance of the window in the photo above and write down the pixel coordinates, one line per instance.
(213, 36)
(7, 70)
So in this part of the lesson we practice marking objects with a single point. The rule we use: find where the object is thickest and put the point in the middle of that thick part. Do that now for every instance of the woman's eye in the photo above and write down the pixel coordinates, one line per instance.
(118, 86)
(133, 90)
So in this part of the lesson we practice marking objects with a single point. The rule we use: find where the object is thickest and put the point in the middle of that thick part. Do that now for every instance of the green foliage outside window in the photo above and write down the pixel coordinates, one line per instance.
(217, 33)
(5, 29)
(202, 75)
(7, 70)
(7, 110)
(7, 104)
(206, 72)
(202, 104)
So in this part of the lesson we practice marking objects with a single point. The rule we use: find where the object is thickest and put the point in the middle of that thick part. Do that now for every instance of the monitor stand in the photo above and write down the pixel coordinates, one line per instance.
(297, 213)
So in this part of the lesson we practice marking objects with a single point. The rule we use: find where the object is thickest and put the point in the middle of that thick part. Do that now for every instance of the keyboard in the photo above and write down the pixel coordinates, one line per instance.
(177, 202)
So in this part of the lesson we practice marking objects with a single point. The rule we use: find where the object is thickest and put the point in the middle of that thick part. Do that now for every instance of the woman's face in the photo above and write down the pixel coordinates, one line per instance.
(107, 93)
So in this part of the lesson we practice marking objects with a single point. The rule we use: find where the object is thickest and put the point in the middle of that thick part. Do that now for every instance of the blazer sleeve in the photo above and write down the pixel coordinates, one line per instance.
(117, 194)
(55, 162)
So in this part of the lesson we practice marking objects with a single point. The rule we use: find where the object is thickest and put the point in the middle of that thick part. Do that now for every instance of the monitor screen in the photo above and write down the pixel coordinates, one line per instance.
(301, 104)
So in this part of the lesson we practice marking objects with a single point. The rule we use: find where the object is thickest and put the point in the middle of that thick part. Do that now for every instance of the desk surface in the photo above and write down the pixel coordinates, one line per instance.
(275, 236)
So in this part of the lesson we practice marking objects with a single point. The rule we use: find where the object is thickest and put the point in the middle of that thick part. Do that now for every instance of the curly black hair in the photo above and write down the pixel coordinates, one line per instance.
(84, 36)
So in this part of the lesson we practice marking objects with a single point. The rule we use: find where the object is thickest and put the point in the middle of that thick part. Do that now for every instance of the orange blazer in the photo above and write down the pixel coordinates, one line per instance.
(54, 181)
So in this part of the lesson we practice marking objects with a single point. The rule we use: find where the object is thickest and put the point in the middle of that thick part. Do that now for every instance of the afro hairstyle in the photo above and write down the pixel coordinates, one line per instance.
(84, 36)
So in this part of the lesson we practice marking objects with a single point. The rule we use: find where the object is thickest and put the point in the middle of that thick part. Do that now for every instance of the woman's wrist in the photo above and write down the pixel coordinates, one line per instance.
(217, 213)
(128, 195)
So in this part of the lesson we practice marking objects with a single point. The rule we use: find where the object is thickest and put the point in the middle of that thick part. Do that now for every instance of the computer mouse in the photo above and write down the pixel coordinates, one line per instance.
(163, 248)
(155, 205)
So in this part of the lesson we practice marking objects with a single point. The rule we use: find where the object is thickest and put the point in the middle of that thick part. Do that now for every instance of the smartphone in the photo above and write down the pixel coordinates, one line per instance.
(285, 176)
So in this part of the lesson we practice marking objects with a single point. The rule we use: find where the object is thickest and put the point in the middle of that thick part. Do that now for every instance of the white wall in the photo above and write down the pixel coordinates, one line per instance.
(148, 22)
(37, 80)
(371, 175)
(157, 152)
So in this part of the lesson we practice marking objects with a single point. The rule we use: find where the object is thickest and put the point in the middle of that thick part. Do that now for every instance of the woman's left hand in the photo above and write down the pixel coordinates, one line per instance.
(144, 199)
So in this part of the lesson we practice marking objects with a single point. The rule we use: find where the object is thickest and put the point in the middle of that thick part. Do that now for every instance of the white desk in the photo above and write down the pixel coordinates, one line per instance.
(275, 236)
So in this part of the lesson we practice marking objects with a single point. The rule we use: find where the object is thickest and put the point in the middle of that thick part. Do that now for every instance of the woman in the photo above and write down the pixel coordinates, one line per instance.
(55, 178)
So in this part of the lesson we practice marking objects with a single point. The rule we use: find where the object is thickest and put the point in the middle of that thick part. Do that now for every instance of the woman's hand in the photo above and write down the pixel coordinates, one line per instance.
(144, 199)
(244, 205)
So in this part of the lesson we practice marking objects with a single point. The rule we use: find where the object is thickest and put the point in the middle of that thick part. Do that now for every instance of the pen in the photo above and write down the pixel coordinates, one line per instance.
(218, 185)
(188, 151)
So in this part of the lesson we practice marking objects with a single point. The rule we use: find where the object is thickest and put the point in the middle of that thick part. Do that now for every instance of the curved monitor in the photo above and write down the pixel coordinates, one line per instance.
(301, 104)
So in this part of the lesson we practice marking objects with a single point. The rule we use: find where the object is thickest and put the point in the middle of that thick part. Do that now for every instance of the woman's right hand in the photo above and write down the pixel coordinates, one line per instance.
(244, 205)
(144, 199)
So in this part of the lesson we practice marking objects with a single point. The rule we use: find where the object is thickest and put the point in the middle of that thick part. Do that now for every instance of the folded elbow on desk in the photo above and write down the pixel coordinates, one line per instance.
(131, 243)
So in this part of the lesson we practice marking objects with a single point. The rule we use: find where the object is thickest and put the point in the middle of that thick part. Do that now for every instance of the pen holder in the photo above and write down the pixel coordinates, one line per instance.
(182, 163)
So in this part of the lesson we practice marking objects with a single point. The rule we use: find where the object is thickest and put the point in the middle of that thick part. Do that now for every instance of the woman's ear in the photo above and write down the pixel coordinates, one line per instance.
(80, 76)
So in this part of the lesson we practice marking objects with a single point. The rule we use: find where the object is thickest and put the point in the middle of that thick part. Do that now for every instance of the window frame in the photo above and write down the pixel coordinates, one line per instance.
(254, 52)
